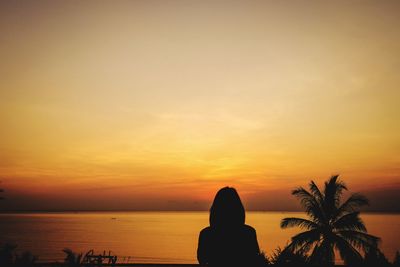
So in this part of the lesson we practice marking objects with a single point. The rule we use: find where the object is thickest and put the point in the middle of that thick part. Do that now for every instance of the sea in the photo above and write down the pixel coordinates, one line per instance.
(154, 237)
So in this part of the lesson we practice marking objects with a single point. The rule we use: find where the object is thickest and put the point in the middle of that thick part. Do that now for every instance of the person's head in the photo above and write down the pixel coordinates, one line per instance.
(227, 209)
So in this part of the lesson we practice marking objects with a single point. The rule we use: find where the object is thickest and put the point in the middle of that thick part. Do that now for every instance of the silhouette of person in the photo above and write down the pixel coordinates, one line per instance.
(228, 241)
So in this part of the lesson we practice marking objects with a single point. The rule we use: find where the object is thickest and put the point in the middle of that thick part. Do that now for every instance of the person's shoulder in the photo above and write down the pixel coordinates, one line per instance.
(249, 229)
(205, 231)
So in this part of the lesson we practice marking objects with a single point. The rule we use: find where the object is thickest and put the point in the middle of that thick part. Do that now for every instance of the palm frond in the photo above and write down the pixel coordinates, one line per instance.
(375, 257)
(310, 203)
(347, 252)
(302, 223)
(323, 254)
(315, 254)
(302, 241)
(333, 191)
(360, 240)
(315, 191)
(352, 204)
(350, 221)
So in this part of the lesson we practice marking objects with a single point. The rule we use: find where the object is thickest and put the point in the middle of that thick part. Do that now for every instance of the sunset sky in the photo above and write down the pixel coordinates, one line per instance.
(157, 104)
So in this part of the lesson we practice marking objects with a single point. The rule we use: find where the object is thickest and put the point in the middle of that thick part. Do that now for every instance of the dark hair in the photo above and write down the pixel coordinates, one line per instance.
(227, 209)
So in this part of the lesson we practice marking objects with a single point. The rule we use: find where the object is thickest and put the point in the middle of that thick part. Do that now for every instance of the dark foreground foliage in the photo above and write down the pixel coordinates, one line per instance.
(8, 257)
(279, 258)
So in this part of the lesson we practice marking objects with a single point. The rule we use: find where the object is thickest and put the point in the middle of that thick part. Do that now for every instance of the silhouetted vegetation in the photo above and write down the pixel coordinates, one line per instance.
(396, 261)
(8, 257)
(72, 259)
(288, 258)
(89, 259)
(375, 257)
(332, 224)
(279, 258)
(26, 259)
(7, 254)
(264, 260)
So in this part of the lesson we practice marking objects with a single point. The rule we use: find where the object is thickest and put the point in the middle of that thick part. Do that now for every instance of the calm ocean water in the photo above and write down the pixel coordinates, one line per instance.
(157, 237)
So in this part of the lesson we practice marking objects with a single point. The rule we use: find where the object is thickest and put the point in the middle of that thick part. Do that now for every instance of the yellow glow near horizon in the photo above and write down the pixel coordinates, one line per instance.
(175, 99)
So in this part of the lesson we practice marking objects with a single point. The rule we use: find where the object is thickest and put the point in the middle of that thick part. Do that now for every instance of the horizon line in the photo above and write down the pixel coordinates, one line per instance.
(171, 210)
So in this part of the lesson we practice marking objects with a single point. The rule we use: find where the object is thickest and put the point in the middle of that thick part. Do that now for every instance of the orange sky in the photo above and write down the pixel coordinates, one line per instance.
(157, 104)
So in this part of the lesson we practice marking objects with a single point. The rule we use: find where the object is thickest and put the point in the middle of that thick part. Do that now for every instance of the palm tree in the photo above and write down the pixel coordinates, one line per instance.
(332, 225)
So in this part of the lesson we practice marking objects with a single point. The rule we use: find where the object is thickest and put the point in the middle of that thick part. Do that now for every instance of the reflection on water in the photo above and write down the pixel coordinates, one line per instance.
(168, 237)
